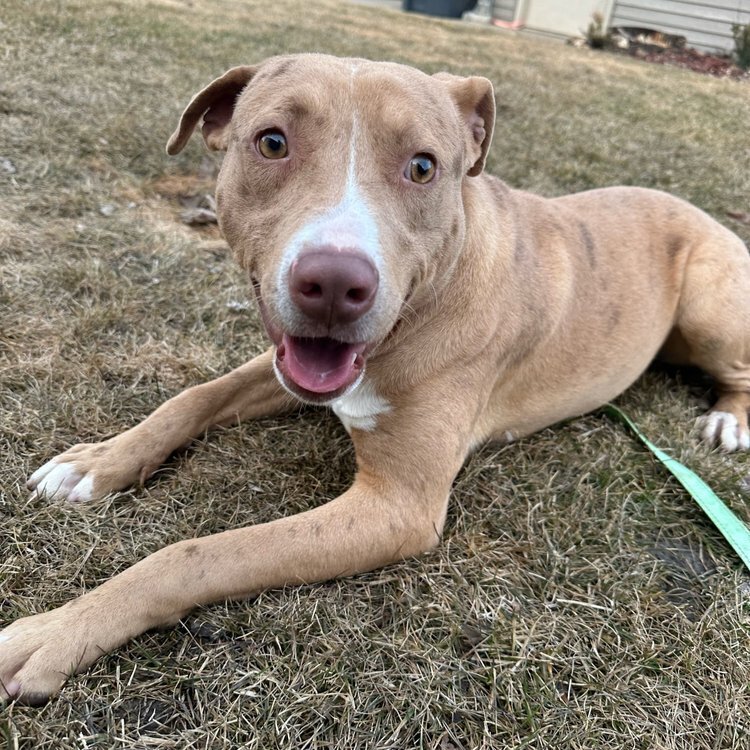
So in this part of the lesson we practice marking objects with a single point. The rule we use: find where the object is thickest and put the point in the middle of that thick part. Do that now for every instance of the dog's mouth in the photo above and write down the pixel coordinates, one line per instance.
(317, 369)
(322, 368)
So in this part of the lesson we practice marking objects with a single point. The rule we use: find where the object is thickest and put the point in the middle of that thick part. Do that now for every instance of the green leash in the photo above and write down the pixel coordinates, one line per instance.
(732, 528)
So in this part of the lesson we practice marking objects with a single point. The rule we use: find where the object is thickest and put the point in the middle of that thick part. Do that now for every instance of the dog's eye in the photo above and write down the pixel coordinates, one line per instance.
(272, 144)
(421, 169)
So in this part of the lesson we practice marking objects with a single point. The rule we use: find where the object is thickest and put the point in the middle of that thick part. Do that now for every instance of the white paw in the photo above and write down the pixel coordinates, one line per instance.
(722, 428)
(56, 480)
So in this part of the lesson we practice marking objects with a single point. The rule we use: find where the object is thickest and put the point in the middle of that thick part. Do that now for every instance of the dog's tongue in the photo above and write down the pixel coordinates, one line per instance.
(320, 365)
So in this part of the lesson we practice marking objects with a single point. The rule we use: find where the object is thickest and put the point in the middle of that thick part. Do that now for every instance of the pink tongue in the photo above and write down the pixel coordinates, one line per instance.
(321, 365)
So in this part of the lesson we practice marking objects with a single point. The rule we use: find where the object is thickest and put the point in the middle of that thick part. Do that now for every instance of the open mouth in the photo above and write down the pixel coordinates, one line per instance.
(322, 366)
(316, 368)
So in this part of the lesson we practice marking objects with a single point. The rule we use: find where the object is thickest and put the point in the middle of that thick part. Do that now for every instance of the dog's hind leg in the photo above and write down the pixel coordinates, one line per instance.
(713, 326)
(91, 470)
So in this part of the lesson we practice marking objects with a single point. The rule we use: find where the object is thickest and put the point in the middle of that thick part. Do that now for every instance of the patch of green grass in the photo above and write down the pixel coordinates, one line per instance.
(579, 598)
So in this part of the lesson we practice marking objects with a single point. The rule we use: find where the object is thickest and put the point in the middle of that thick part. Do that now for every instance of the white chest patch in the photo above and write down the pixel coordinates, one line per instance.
(359, 410)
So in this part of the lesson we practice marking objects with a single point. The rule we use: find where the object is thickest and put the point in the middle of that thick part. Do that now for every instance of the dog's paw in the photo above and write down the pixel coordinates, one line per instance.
(63, 478)
(91, 471)
(39, 653)
(723, 429)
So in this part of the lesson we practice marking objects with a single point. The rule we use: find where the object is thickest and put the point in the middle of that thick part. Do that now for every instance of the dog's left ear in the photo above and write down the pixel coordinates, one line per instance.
(475, 100)
(215, 104)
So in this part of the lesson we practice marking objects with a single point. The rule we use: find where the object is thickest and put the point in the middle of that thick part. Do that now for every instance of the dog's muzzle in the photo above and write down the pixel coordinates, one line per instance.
(330, 289)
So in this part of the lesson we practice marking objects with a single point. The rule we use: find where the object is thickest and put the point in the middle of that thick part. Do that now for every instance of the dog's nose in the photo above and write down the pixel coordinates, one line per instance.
(333, 286)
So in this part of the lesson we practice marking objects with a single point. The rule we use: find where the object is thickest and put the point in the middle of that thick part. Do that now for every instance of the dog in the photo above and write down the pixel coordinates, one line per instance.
(432, 307)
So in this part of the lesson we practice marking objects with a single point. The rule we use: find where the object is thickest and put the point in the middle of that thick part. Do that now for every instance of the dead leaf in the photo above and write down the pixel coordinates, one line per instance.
(742, 216)
(199, 209)
(198, 216)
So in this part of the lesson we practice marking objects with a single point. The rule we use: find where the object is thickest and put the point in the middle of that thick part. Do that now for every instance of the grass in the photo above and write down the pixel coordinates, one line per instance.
(579, 598)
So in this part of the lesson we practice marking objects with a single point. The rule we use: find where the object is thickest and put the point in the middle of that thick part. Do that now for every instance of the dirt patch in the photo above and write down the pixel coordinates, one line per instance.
(174, 185)
(689, 58)
(652, 45)
(188, 199)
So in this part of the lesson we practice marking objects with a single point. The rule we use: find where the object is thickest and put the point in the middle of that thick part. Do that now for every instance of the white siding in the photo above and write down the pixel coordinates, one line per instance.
(707, 24)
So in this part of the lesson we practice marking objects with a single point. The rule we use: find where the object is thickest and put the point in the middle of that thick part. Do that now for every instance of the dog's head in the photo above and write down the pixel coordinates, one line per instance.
(341, 195)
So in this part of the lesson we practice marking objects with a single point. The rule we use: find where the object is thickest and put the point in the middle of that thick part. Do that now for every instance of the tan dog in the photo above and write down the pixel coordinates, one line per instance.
(430, 306)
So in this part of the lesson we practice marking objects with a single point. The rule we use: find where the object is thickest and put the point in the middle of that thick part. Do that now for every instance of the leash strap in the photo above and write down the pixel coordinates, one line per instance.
(731, 527)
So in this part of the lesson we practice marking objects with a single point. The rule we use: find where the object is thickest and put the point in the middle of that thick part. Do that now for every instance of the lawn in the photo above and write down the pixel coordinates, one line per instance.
(579, 598)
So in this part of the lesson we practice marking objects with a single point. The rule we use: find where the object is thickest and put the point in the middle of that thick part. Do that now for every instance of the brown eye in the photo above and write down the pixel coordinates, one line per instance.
(421, 169)
(272, 144)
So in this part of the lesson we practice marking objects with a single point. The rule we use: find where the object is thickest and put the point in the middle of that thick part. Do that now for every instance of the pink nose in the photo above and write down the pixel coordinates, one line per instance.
(333, 286)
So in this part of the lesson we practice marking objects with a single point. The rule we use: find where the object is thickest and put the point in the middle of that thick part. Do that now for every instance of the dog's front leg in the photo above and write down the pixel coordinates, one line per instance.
(395, 509)
(91, 470)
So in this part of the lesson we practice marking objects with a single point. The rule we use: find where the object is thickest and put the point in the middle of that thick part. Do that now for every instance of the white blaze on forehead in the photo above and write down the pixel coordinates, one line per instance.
(350, 224)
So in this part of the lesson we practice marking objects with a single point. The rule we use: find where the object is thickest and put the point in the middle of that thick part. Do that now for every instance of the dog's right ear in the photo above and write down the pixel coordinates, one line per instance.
(216, 104)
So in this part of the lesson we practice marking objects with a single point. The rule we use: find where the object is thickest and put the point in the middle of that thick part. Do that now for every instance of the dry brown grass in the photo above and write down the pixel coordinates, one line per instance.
(579, 600)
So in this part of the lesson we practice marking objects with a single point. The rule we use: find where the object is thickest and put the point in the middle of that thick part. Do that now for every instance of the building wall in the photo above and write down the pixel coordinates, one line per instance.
(570, 18)
(551, 17)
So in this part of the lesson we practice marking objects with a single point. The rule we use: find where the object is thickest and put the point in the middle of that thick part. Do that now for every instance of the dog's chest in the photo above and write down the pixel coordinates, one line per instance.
(359, 410)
